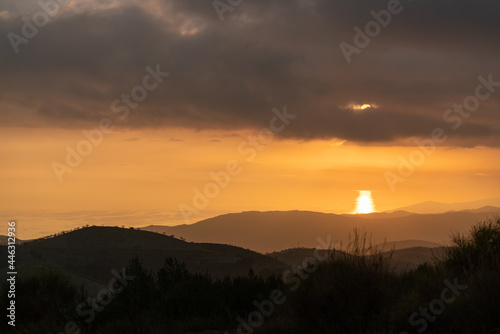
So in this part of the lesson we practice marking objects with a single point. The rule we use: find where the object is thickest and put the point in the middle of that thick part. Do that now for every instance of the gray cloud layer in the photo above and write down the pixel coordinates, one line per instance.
(229, 75)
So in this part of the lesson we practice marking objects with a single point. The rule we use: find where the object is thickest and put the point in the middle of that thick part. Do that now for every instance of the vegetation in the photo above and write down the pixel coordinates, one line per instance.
(359, 292)
(353, 292)
(171, 301)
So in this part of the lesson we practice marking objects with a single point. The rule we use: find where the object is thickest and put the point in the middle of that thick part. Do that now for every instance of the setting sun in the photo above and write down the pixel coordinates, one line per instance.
(364, 202)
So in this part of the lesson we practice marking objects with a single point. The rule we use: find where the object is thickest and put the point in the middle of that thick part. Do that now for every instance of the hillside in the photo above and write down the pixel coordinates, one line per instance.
(265, 231)
(401, 258)
(404, 244)
(91, 253)
(383, 215)
(278, 230)
(296, 256)
(411, 258)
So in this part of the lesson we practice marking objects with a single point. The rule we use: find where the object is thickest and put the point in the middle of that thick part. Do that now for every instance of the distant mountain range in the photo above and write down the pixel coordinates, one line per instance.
(231, 244)
(278, 230)
(436, 207)
(89, 254)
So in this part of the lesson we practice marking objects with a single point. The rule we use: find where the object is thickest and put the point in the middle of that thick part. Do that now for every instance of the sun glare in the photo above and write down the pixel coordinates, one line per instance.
(361, 107)
(364, 202)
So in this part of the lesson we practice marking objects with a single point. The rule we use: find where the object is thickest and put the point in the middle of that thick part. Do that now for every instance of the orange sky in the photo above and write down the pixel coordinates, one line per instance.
(159, 170)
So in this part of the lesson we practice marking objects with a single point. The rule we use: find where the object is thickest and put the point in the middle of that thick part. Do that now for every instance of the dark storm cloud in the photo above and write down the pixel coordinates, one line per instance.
(266, 54)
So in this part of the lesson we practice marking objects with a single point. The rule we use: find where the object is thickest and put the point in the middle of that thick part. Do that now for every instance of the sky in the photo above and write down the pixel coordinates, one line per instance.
(186, 109)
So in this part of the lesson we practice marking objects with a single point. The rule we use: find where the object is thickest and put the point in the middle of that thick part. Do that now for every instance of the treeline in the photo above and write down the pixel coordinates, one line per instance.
(63, 232)
(172, 300)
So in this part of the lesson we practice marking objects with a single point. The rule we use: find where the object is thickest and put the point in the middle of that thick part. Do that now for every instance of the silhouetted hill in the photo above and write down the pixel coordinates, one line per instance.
(383, 215)
(403, 244)
(265, 231)
(411, 258)
(91, 253)
(402, 258)
(296, 256)
(278, 230)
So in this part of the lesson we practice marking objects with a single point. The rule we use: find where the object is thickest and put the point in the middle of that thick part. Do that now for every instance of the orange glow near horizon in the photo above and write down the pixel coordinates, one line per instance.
(159, 170)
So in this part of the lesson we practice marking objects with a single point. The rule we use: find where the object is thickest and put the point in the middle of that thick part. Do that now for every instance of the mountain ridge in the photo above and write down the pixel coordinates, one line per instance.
(97, 250)
(277, 230)
(429, 207)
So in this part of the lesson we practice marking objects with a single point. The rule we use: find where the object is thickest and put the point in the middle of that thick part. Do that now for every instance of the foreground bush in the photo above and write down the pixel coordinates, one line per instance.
(358, 292)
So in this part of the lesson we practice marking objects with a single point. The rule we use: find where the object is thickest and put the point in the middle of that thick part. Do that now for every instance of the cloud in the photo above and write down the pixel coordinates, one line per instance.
(132, 139)
(229, 75)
